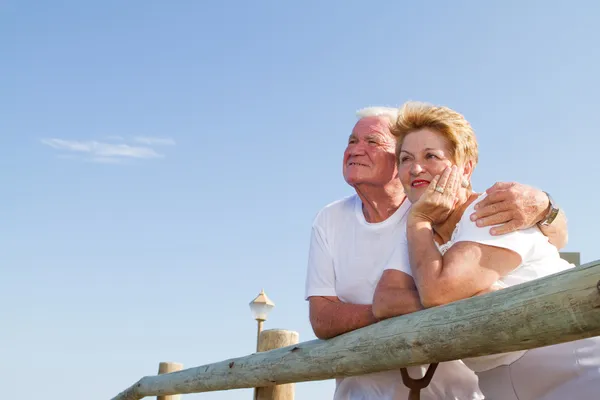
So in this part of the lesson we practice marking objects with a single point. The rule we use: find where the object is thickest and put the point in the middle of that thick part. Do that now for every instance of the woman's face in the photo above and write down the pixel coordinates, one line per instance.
(424, 154)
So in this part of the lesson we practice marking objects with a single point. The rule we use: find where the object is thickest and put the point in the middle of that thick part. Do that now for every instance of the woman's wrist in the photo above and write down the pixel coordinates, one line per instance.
(416, 220)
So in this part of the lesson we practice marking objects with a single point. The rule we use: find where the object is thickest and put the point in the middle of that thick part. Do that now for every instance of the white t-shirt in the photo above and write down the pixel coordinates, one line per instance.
(346, 259)
(539, 258)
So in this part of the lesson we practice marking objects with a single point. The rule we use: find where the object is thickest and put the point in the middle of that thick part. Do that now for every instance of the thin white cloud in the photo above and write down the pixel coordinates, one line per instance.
(154, 141)
(106, 160)
(102, 152)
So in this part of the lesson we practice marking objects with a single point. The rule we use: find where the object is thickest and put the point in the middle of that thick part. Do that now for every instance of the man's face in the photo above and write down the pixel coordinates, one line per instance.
(370, 158)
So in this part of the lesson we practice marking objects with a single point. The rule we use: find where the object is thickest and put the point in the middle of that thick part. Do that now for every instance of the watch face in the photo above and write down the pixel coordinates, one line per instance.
(552, 216)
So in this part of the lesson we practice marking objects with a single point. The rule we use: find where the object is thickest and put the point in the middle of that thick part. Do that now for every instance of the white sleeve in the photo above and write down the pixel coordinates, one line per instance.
(521, 242)
(320, 275)
(399, 259)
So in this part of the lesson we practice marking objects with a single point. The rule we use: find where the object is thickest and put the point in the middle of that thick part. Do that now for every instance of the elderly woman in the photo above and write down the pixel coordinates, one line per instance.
(451, 258)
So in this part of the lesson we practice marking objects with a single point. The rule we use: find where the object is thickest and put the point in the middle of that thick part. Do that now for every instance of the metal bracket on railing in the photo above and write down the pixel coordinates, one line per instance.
(415, 385)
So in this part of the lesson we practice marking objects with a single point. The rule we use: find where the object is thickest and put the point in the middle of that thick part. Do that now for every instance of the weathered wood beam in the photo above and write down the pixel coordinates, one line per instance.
(556, 309)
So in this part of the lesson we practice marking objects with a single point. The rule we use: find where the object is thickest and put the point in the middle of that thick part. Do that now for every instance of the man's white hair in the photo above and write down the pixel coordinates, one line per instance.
(390, 112)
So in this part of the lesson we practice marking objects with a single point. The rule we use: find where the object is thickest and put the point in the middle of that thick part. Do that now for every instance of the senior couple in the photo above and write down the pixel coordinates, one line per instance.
(416, 235)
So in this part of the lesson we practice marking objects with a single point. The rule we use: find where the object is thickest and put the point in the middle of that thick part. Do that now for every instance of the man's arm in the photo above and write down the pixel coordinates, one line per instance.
(396, 294)
(516, 207)
(330, 317)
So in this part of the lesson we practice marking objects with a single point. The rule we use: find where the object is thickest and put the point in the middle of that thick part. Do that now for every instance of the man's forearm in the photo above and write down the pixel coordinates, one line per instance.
(332, 318)
(390, 302)
(557, 232)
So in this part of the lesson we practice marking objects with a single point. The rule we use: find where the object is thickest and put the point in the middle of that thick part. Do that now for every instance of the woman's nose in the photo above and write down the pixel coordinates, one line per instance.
(415, 168)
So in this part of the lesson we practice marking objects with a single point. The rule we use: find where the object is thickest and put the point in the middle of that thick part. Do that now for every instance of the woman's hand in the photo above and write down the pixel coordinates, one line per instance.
(439, 199)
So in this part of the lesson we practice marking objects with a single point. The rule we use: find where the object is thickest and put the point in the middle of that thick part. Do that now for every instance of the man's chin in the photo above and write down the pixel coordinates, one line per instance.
(354, 180)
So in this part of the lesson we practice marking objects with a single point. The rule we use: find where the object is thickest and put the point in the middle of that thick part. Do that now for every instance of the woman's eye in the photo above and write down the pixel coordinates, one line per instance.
(403, 159)
(430, 155)
(372, 142)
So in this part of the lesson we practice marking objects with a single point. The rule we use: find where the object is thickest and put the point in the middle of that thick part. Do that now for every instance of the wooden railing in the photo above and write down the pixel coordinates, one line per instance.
(555, 309)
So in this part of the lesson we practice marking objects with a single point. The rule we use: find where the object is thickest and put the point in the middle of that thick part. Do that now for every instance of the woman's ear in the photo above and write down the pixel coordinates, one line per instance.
(467, 172)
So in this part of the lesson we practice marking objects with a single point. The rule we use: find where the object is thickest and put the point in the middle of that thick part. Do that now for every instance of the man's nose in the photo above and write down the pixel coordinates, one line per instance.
(357, 148)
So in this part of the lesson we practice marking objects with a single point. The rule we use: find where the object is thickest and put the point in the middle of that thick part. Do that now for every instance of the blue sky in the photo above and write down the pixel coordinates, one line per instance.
(120, 250)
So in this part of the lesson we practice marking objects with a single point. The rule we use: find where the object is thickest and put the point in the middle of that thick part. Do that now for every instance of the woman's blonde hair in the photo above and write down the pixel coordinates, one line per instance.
(414, 116)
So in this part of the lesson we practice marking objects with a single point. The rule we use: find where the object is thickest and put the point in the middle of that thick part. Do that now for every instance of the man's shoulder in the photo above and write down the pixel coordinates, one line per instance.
(337, 208)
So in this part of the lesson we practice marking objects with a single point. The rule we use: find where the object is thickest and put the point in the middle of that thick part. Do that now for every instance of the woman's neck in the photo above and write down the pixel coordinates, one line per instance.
(444, 230)
(378, 204)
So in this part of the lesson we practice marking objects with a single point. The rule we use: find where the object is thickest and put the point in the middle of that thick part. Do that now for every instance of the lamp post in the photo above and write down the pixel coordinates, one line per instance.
(260, 307)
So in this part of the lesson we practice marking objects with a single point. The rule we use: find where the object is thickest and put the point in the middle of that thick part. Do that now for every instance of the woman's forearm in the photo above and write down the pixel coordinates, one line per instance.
(425, 260)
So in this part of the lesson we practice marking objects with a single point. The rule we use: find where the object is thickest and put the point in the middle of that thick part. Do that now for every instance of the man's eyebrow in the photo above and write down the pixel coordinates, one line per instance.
(379, 137)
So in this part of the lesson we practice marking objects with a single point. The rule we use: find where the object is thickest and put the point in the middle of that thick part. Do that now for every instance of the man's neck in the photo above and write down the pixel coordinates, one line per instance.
(380, 203)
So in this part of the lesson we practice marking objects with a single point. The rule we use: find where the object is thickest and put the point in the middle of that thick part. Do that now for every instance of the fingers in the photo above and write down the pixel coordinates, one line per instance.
(443, 182)
(456, 185)
(433, 184)
(499, 186)
(490, 199)
(496, 219)
(491, 209)
(509, 227)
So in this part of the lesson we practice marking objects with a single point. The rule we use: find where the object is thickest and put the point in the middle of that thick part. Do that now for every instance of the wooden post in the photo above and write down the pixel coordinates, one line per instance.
(165, 368)
(269, 340)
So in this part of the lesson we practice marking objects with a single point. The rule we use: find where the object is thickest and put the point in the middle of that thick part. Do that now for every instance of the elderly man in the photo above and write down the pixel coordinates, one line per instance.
(353, 238)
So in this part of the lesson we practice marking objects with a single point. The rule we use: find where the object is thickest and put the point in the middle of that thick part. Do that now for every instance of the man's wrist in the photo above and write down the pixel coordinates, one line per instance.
(550, 212)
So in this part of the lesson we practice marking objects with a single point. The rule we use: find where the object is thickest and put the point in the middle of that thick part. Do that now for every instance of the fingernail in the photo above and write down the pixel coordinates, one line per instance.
(473, 217)
(479, 223)
(477, 206)
(493, 231)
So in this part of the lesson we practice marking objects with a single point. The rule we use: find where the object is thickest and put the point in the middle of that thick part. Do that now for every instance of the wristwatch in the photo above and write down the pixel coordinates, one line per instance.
(552, 213)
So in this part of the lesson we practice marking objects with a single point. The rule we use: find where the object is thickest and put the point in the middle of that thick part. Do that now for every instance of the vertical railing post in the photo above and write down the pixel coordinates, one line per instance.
(165, 368)
(275, 339)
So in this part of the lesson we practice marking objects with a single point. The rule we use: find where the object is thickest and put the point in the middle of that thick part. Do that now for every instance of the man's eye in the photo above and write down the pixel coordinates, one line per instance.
(372, 142)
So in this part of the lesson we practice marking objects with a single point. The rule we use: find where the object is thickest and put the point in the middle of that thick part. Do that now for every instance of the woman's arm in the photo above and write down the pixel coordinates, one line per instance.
(466, 269)
(396, 294)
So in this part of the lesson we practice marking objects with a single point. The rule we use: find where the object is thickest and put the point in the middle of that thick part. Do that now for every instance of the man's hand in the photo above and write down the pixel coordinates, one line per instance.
(513, 205)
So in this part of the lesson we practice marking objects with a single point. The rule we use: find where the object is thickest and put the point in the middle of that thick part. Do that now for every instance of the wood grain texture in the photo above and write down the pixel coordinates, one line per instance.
(167, 368)
(555, 309)
(275, 339)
